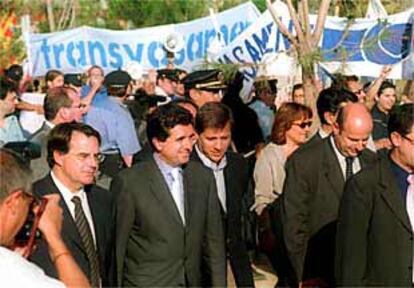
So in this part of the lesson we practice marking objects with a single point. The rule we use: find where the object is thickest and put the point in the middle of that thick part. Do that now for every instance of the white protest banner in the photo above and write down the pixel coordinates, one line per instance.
(367, 46)
(76, 49)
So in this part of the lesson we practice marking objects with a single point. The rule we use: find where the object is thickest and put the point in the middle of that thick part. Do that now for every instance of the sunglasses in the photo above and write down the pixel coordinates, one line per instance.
(304, 125)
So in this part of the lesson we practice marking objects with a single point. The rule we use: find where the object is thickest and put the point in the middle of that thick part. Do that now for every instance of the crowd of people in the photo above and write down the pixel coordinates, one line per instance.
(170, 179)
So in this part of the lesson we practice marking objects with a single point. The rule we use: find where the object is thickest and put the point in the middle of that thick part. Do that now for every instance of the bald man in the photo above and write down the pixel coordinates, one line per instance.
(315, 178)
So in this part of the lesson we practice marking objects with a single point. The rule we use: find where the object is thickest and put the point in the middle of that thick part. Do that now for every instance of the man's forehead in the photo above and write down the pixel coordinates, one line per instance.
(181, 130)
(78, 139)
(216, 131)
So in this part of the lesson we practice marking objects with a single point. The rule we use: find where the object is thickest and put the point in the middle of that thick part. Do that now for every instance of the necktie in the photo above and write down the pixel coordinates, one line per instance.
(410, 205)
(177, 192)
(87, 240)
(348, 171)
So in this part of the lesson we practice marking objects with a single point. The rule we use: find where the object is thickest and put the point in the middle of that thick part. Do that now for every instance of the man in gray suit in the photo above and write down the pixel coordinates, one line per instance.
(61, 105)
(168, 216)
(375, 228)
(315, 177)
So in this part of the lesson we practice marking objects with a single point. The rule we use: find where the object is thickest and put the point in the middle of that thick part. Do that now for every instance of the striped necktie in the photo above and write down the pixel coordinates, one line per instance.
(87, 240)
(348, 170)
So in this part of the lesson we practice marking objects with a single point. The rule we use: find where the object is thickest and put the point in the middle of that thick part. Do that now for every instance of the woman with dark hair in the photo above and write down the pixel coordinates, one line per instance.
(291, 129)
(54, 78)
(384, 102)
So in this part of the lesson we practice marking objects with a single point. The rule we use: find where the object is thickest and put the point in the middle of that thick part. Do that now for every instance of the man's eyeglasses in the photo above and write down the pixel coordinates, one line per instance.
(304, 125)
(80, 106)
(84, 156)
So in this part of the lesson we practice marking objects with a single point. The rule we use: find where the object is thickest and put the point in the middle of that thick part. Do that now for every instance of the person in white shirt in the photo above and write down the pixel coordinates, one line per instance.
(15, 202)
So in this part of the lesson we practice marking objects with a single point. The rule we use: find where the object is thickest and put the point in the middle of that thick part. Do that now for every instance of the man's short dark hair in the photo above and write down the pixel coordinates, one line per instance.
(6, 87)
(117, 91)
(297, 87)
(165, 118)
(15, 173)
(330, 100)
(213, 115)
(401, 119)
(385, 85)
(60, 136)
(55, 99)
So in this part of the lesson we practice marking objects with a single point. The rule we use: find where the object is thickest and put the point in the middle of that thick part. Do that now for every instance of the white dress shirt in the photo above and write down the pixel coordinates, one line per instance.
(218, 170)
(67, 197)
(356, 165)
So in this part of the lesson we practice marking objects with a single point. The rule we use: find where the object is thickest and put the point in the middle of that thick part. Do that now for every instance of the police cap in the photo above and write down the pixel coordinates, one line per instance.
(171, 74)
(14, 72)
(117, 78)
(204, 80)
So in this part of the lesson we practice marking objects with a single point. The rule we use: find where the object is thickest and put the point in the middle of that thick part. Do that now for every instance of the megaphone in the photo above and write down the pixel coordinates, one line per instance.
(174, 42)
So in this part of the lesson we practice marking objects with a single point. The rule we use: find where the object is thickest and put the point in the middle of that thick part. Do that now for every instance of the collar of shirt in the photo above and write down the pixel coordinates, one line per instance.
(68, 195)
(49, 124)
(210, 164)
(322, 133)
(356, 165)
(401, 177)
(118, 101)
(218, 171)
(166, 169)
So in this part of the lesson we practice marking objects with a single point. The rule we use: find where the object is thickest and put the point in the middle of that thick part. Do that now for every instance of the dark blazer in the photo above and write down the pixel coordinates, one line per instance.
(153, 247)
(310, 202)
(102, 209)
(39, 166)
(238, 187)
(375, 238)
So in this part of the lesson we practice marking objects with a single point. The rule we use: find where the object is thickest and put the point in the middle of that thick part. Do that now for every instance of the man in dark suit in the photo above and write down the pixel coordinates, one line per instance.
(328, 103)
(315, 177)
(168, 218)
(61, 105)
(375, 228)
(88, 211)
(213, 124)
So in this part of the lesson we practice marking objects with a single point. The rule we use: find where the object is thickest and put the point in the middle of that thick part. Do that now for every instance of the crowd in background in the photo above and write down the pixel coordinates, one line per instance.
(167, 178)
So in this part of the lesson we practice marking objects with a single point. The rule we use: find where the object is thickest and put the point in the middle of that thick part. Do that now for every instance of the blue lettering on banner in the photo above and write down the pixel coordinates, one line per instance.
(57, 49)
(179, 58)
(45, 49)
(71, 54)
(114, 54)
(97, 46)
(225, 32)
(262, 41)
(153, 46)
(209, 35)
(137, 56)
(82, 54)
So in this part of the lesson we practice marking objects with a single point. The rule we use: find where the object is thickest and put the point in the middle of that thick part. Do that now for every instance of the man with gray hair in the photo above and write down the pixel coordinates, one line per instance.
(61, 105)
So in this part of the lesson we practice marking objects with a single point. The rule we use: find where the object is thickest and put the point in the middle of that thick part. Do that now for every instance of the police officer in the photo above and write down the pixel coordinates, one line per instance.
(115, 124)
(204, 86)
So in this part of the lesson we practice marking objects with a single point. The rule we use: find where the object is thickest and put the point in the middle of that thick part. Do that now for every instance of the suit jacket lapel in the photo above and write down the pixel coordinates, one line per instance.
(332, 169)
(69, 229)
(229, 171)
(389, 191)
(161, 191)
(188, 187)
